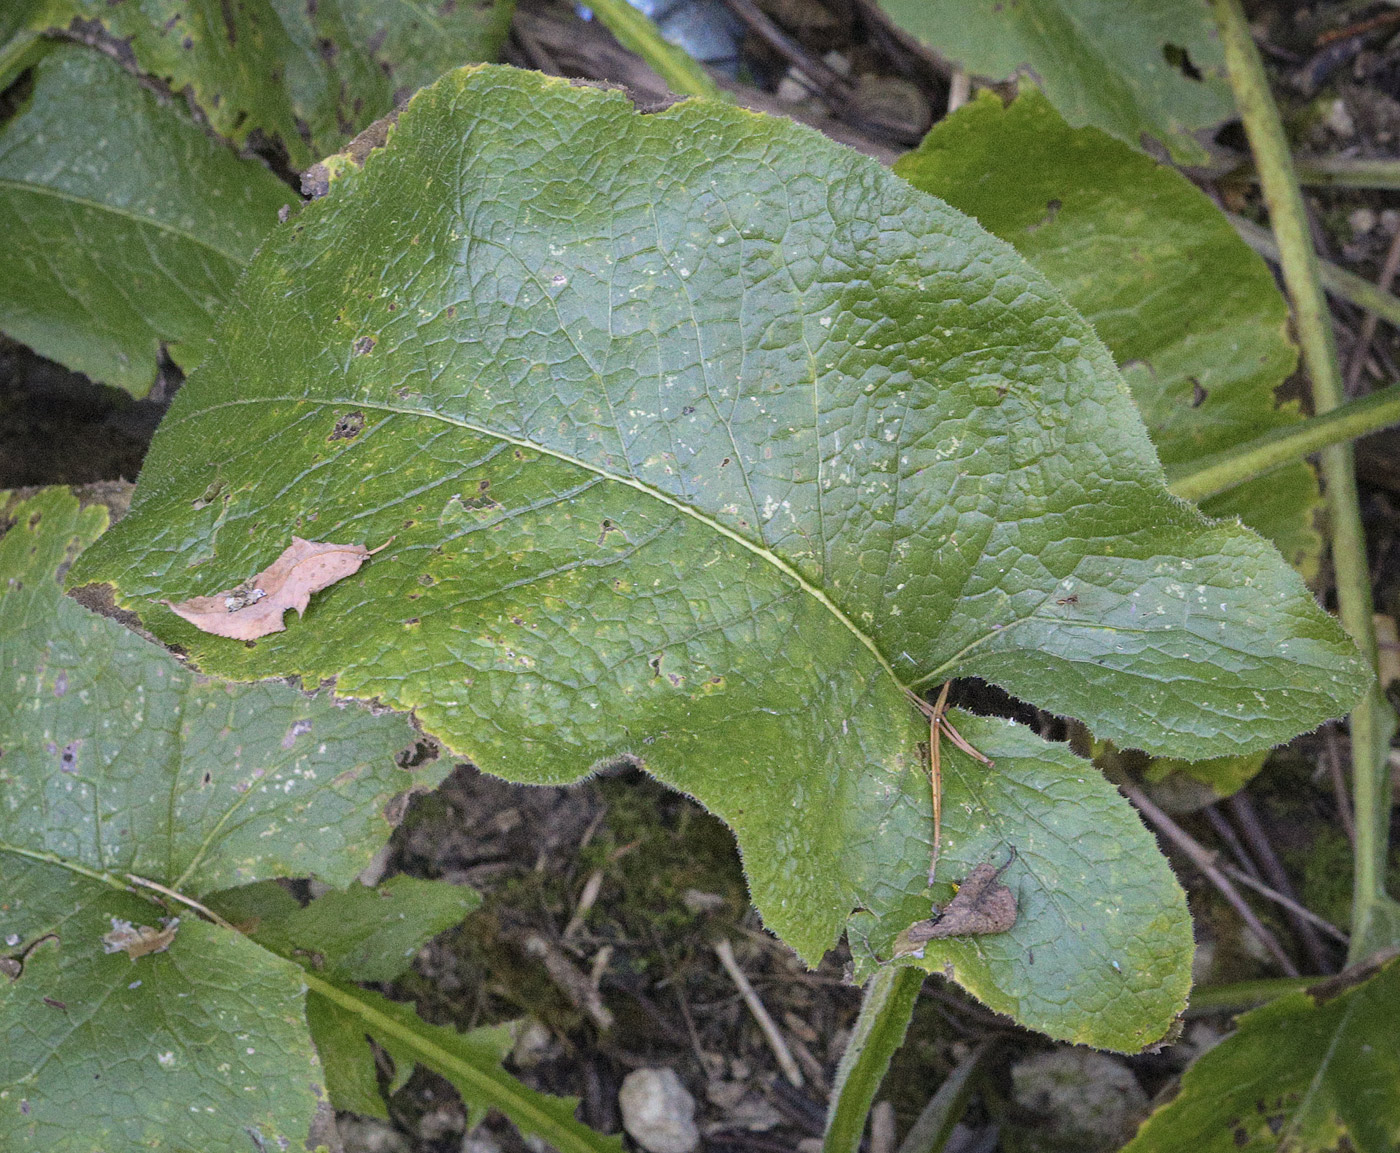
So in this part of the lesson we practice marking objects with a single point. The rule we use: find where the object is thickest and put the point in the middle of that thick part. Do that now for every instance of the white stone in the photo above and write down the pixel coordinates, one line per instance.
(366, 1135)
(1362, 221)
(480, 1141)
(657, 1111)
(1338, 118)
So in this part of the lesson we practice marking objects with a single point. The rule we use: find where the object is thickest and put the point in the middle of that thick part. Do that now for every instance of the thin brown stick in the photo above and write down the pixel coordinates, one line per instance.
(1204, 860)
(181, 898)
(1252, 829)
(1339, 782)
(935, 774)
(1285, 902)
(1226, 832)
(938, 725)
(831, 84)
(1369, 322)
(771, 1033)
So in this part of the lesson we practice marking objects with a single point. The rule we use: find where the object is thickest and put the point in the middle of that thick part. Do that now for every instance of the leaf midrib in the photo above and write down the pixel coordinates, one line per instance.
(43, 190)
(709, 522)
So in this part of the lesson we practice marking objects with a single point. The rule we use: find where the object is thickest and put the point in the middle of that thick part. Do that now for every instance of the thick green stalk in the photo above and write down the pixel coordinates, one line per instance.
(1197, 479)
(1371, 720)
(884, 1018)
(637, 33)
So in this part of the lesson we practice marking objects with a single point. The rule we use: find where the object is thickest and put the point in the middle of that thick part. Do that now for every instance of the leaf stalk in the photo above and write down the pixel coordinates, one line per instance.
(879, 1031)
(1203, 477)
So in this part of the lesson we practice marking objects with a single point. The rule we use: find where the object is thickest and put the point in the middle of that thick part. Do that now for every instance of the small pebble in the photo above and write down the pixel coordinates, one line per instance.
(725, 1094)
(657, 1112)
(366, 1135)
(1362, 221)
(442, 1121)
(1079, 1099)
(1339, 120)
(754, 1114)
(480, 1141)
(535, 1045)
(699, 902)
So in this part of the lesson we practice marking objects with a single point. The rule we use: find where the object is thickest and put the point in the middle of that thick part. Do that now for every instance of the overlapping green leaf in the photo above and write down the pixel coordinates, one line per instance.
(126, 225)
(311, 75)
(471, 1061)
(697, 439)
(118, 761)
(1101, 949)
(1308, 1073)
(1192, 316)
(1139, 70)
(358, 933)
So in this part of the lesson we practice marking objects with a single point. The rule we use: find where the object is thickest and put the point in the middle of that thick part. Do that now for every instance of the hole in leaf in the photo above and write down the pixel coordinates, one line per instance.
(348, 427)
(1180, 59)
(418, 754)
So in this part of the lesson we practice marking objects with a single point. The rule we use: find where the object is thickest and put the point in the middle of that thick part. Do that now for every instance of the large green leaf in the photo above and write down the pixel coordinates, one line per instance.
(311, 75)
(697, 439)
(126, 224)
(118, 761)
(1191, 314)
(1307, 1073)
(1136, 69)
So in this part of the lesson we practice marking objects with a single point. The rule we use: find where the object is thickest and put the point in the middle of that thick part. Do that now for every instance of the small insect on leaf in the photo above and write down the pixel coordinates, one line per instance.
(138, 940)
(255, 608)
(982, 905)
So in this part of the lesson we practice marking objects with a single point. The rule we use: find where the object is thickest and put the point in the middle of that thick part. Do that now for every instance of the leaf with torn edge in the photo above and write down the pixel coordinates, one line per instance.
(982, 905)
(255, 607)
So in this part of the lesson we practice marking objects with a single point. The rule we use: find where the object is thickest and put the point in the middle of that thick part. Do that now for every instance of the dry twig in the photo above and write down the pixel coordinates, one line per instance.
(1367, 334)
(725, 951)
(1204, 860)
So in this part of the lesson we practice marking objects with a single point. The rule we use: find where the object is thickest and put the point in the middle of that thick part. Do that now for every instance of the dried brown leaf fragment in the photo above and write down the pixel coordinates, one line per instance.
(981, 905)
(255, 608)
(139, 940)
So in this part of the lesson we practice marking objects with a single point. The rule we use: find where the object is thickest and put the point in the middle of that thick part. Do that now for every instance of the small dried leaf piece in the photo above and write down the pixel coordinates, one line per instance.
(138, 940)
(255, 607)
(982, 905)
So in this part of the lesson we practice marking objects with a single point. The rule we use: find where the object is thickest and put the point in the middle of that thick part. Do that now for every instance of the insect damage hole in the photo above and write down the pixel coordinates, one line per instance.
(348, 427)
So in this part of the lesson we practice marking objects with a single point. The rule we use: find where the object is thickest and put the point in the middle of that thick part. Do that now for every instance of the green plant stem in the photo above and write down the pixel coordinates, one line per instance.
(930, 1132)
(638, 33)
(884, 1018)
(1338, 281)
(1245, 994)
(1197, 479)
(1371, 720)
(1347, 172)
